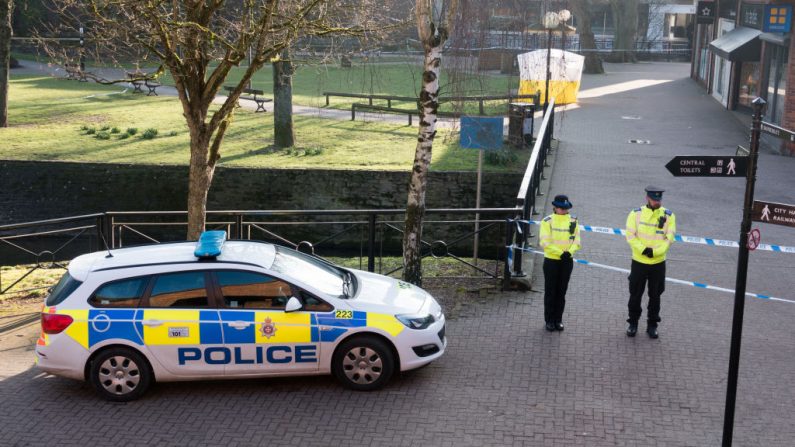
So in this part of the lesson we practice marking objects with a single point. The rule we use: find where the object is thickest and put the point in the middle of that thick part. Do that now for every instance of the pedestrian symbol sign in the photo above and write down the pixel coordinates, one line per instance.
(708, 166)
(773, 213)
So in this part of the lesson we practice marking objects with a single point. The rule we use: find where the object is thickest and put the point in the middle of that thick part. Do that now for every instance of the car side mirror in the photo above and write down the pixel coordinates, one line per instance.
(293, 304)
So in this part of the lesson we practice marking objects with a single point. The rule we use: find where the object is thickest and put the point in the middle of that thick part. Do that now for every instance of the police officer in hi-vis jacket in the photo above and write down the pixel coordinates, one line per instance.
(650, 232)
(560, 238)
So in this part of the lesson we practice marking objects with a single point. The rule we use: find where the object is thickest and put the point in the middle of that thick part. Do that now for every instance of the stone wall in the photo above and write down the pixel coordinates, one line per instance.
(43, 190)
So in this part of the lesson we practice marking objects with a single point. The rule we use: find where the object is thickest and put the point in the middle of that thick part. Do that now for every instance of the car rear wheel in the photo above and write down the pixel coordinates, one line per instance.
(363, 363)
(120, 374)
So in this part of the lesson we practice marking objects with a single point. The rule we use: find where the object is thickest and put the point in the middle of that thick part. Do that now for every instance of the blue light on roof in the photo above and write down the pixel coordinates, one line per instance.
(210, 244)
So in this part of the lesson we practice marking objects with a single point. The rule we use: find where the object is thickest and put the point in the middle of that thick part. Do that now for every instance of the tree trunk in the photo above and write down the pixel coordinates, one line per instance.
(283, 134)
(6, 9)
(415, 206)
(625, 18)
(200, 176)
(582, 9)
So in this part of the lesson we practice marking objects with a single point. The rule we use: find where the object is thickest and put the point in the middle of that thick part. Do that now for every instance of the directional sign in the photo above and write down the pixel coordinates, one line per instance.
(773, 213)
(708, 166)
(779, 132)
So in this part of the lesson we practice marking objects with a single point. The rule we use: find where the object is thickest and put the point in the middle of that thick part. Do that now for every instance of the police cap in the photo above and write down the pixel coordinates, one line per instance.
(654, 192)
(562, 201)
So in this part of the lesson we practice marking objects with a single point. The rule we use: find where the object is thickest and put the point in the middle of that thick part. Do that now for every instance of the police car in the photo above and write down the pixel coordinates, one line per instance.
(125, 318)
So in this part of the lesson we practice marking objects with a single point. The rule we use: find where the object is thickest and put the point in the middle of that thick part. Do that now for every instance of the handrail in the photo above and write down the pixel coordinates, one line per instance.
(540, 141)
(49, 221)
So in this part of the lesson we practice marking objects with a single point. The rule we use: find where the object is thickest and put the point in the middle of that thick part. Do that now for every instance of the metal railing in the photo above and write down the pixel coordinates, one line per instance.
(442, 99)
(372, 235)
(517, 234)
(41, 244)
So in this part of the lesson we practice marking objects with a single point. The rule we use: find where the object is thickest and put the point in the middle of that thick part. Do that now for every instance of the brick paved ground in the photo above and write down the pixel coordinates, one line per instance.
(504, 380)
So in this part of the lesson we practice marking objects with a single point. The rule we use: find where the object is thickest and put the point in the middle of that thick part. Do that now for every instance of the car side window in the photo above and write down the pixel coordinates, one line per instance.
(126, 293)
(249, 290)
(315, 304)
(179, 290)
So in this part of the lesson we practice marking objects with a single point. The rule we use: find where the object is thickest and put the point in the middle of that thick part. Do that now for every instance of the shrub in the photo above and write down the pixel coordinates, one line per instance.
(104, 128)
(115, 130)
(312, 151)
(173, 133)
(91, 131)
(124, 136)
(501, 157)
(84, 128)
(149, 133)
(102, 135)
(132, 130)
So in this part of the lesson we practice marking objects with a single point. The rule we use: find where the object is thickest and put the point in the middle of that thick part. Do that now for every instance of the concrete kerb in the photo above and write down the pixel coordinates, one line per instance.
(528, 259)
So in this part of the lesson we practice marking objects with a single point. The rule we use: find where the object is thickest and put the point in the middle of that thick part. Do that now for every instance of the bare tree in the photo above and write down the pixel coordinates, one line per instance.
(199, 42)
(435, 19)
(625, 18)
(6, 12)
(283, 134)
(583, 11)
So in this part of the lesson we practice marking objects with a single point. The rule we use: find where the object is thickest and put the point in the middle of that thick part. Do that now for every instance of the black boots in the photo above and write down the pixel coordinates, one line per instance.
(652, 331)
(632, 329)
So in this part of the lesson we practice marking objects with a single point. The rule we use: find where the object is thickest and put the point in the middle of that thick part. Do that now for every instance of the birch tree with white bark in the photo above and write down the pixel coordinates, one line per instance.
(435, 20)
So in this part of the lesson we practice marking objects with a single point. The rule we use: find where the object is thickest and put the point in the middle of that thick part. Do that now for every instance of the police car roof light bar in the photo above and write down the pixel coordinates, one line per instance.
(210, 244)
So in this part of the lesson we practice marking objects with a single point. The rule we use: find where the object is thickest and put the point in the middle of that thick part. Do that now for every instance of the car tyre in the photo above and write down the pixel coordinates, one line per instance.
(363, 363)
(120, 374)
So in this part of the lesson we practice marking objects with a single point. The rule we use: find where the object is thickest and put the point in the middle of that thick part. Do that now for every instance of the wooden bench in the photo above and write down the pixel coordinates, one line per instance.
(152, 85)
(137, 80)
(255, 95)
(73, 72)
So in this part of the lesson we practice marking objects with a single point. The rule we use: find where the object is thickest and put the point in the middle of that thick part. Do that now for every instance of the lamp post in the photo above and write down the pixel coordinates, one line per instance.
(552, 22)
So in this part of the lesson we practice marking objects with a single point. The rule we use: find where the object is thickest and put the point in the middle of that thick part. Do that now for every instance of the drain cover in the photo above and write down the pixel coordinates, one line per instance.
(635, 141)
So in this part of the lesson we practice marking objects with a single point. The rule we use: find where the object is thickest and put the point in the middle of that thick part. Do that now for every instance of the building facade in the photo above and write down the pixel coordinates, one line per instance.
(742, 51)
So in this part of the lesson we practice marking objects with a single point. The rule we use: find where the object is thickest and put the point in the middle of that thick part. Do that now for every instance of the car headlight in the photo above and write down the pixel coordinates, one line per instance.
(416, 321)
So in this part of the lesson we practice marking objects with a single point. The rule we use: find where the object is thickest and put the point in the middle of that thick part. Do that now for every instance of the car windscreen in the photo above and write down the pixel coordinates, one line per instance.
(63, 289)
(309, 270)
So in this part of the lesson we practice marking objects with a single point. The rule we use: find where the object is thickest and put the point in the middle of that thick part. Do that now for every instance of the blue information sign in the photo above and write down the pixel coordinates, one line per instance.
(778, 19)
(478, 132)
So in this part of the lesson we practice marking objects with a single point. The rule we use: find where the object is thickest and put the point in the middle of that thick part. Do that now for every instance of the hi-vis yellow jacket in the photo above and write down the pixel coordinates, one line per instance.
(559, 233)
(650, 228)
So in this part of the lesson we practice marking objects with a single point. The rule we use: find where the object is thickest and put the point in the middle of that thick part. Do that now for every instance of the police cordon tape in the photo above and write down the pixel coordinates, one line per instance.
(672, 280)
(678, 237)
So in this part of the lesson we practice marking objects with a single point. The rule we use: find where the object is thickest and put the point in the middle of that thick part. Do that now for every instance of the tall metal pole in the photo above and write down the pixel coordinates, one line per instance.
(549, 73)
(82, 51)
(742, 273)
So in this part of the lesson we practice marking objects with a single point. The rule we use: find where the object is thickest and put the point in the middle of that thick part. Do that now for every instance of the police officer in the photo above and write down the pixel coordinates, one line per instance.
(560, 238)
(650, 232)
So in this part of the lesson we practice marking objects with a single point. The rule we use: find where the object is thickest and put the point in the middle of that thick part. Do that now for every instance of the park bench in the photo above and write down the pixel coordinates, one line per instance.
(73, 72)
(254, 95)
(152, 85)
(137, 80)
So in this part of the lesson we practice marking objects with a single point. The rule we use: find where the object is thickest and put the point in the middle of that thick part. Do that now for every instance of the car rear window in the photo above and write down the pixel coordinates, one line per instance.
(62, 290)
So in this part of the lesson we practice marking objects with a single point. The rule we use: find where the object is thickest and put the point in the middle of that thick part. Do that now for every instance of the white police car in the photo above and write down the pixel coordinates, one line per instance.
(122, 319)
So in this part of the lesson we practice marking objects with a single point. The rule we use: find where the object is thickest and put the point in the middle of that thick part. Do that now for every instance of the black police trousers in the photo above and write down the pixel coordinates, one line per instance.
(556, 282)
(639, 275)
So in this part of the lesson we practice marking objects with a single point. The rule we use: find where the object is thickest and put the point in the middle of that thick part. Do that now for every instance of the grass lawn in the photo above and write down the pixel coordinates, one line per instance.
(49, 118)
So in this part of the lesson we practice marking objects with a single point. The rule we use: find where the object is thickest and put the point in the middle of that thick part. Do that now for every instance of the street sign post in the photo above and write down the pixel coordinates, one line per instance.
(708, 166)
(773, 213)
(778, 132)
(742, 276)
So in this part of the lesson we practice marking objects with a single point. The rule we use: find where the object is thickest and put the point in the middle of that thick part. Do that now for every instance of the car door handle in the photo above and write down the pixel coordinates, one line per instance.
(152, 323)
(239, 324)
(326, 328)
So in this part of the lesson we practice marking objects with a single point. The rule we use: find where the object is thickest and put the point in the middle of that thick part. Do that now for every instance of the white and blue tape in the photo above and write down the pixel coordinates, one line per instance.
(680, 238)
(672, 280)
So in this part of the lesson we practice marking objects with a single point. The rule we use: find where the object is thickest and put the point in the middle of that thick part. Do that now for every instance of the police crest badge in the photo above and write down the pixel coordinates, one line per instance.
(268, 328)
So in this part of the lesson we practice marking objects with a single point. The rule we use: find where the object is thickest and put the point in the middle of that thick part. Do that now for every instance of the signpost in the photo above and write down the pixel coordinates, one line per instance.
(483, 133)
(708, 166)
(778, 132)
(773, 213)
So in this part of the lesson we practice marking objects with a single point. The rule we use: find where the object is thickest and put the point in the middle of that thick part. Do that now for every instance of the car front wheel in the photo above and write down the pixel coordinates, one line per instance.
(120, 374)
(363, 363)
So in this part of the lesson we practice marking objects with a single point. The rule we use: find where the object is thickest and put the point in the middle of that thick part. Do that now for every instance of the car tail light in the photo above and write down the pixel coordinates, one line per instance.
(55, 323)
